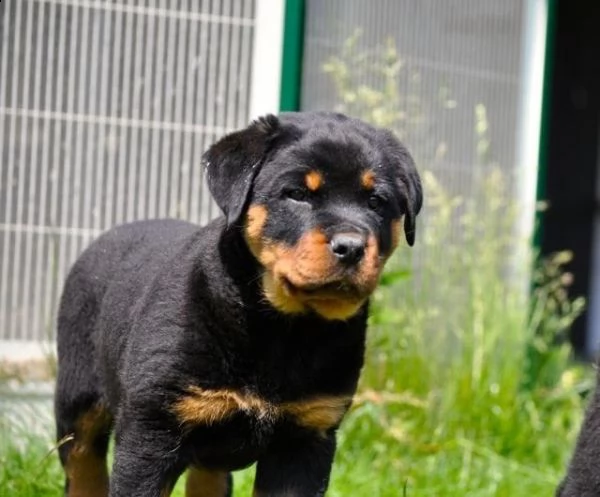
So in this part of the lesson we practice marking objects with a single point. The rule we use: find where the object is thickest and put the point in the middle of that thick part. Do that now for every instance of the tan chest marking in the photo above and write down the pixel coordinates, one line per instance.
(207, 407)
(320, 413)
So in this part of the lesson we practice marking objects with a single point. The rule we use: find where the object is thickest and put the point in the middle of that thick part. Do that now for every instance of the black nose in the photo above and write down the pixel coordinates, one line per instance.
(349, 248)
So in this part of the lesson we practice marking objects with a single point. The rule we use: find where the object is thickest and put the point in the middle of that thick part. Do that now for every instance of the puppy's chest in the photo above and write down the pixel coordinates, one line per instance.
(229, 429)
(273, 390)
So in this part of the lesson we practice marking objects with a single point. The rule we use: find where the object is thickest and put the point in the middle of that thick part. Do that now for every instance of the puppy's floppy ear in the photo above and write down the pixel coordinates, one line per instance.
(407, 175)
(234, 161)
(414, 200)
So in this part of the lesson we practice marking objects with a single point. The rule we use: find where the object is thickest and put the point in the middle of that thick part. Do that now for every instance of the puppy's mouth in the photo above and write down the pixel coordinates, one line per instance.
(337, 299)
(310, 277)
(330, 291)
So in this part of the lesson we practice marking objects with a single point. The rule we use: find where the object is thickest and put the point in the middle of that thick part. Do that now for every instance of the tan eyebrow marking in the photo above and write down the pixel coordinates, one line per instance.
(313, 180)
(368, 180)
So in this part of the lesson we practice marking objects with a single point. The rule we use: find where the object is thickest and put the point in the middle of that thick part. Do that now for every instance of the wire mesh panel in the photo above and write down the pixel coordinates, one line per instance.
(105, 110)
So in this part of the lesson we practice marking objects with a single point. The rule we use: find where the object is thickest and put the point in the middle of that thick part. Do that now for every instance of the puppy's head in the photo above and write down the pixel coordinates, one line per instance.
(321, 199)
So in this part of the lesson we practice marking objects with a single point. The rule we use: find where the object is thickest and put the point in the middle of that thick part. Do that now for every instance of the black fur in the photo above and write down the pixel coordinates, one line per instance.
(153, 308)
(583, 475)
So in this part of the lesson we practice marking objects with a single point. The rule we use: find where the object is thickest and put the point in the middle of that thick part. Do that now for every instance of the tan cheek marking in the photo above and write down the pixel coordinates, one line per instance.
(370, 267)
(313, 259)
(207, 407)
(266, 251)
(201, 482)
(278, 260)
(367, 180)
(309, 262)
(321, 413)
(313, 180)
(86, 470)
(278, 297)
(256, 218)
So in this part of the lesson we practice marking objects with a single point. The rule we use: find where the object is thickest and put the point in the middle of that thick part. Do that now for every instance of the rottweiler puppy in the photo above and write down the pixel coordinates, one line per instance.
(212, 348)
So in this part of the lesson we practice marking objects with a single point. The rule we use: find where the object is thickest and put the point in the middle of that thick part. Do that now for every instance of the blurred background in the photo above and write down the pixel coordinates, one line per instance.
(473, 384)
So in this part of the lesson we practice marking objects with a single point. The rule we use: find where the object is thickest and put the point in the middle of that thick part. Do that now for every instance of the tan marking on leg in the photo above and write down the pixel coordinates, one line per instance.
(313, 180)
(207, 407)
(367, 180)
(86, 470)
(201, 482)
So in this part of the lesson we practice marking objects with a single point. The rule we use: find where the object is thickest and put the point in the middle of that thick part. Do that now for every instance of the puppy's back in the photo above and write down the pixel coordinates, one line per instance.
(119, 254)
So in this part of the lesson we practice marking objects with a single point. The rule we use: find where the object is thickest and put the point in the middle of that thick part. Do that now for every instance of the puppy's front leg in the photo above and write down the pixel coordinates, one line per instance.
(146, 462)
(296, 465)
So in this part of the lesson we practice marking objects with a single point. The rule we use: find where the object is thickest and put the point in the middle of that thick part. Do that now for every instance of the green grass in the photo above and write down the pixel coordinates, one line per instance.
(383, 449)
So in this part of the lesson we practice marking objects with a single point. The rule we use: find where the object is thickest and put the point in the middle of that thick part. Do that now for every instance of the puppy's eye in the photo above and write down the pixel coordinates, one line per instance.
(376, 203)
(297, 194)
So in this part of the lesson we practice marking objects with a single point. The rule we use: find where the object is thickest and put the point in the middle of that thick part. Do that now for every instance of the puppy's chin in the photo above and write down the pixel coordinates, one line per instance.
(333, 309)
(327, 304)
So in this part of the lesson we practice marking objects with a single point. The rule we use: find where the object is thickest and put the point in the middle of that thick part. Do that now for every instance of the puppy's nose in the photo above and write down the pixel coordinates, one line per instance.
(349, 248)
